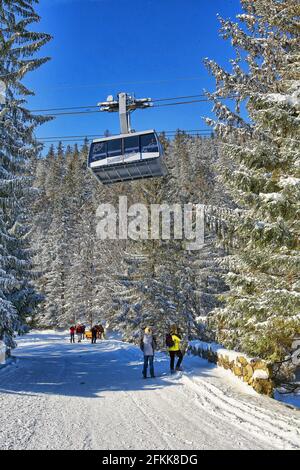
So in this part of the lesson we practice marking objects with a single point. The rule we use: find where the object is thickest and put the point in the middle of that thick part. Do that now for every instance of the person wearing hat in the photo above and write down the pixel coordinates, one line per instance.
(148, 345)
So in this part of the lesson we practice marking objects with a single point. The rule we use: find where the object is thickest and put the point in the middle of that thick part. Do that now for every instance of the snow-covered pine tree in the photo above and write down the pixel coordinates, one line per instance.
(261, 141)
(18, 46)
(198, 275)
(75, 267)
(42, 210)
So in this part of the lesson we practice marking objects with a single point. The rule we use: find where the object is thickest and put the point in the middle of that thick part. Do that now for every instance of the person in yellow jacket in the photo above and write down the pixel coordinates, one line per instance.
(175, 350)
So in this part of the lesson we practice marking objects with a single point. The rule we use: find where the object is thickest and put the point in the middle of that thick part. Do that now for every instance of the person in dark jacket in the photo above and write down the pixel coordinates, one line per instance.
(94, 334)
(100, 331)
(148, 346)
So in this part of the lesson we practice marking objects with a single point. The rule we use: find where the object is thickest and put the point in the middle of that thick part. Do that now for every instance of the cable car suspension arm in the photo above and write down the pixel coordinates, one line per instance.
(125, 105)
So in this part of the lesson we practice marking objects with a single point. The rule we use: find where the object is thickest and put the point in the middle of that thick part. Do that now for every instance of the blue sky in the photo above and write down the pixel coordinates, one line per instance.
(154, 48)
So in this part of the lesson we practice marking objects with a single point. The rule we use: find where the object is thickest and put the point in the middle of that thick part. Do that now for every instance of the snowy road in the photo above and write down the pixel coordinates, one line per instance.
(83, 396)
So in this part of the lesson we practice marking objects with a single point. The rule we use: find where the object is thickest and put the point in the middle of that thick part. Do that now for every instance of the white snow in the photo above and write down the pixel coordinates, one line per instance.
(260, 374)
(271, 197)
(82, 396)
(290, 100)
(289, 181)
(217, 348)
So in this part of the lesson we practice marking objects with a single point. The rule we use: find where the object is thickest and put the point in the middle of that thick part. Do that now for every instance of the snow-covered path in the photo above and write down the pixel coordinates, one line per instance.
(82, 396)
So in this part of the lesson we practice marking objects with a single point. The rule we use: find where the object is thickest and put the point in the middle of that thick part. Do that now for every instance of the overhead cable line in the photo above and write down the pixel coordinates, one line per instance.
(63, 109)
(74, 113)
(95, 109)
(103, 135)
(179, 98)
(180, 103)
(66, 108)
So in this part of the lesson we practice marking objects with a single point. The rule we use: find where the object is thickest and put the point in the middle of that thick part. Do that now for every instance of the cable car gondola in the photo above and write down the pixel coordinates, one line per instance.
(130, 155)
(127, 157)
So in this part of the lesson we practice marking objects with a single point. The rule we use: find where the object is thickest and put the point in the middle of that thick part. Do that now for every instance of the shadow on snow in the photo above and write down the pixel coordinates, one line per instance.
(83, 370)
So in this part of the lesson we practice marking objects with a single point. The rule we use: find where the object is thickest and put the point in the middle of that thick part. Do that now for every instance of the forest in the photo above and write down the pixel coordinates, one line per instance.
(242, 289)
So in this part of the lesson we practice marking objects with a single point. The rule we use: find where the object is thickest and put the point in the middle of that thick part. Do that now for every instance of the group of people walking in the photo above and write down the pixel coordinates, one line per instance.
(96, 332)
(148, 345)
(79, 330)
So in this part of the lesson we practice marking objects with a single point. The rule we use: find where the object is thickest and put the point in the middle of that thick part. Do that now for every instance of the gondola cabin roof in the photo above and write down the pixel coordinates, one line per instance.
(124, 136)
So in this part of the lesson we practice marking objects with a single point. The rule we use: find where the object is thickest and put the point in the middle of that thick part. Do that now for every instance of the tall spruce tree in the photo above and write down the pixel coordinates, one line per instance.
(261, 143)
(18, 47)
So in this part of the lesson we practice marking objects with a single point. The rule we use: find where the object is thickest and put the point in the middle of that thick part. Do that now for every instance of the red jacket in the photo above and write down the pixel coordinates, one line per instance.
(72, 329)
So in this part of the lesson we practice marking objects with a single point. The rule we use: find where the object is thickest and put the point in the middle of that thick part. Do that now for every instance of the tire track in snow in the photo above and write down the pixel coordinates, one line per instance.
(206, 398)
(147, 414)
(194, 430)
(253, 409)
(231, 417)
(211, 432)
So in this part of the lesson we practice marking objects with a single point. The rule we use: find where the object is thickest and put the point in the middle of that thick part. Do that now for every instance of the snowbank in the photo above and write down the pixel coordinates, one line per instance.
(217, 348)
(253, 371)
